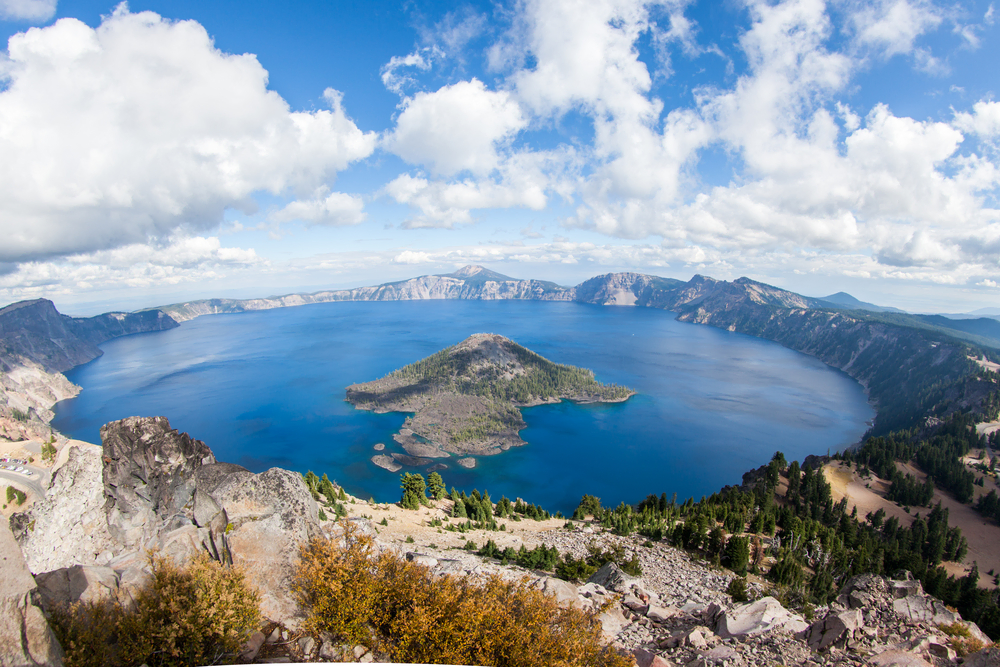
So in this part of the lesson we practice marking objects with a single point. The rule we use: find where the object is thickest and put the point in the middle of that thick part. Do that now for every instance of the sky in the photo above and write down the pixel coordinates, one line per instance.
(160, 151)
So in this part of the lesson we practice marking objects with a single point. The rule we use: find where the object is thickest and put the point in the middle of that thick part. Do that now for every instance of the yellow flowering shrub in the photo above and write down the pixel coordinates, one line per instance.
(197, 614)
(399, 608)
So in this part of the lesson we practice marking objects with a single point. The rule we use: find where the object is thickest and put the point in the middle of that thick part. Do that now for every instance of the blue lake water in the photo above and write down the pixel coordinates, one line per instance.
(266, 389)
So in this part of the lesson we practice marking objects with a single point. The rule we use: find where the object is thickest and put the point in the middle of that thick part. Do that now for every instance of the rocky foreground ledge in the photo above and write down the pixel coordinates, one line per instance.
(152, 488)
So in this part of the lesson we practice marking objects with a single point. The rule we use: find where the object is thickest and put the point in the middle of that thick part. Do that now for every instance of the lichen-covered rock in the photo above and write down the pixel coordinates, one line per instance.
(924, 608)
(613, 578)
(68, 526)
(25, 636)
(149, 475)
(835, 629)
(271, 515)
(565, 593)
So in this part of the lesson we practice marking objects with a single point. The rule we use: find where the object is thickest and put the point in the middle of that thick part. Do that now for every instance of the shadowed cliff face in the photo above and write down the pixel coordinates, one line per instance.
(34, 330)
(37, 345)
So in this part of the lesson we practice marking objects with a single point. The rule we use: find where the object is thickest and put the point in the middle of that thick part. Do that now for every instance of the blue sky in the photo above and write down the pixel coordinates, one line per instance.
(160, 151)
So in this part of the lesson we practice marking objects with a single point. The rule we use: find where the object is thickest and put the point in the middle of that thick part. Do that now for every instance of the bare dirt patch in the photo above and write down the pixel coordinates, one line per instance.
(867, 494)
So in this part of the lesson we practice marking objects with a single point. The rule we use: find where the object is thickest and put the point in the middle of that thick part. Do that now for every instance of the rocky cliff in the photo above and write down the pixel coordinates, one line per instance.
(152, 488)
(38, 344)
(470, 282)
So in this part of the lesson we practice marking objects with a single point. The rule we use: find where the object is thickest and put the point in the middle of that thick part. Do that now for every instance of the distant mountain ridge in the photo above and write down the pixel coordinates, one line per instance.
(910, 365)
(845, 300)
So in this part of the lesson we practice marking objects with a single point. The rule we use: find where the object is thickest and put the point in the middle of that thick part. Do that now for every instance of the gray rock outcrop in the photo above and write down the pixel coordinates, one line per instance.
(25, 636)
(613, 578)
(270, 515)
(923, 608)
(148, 475)
(154, 489)
(80, 583)
(68, 525)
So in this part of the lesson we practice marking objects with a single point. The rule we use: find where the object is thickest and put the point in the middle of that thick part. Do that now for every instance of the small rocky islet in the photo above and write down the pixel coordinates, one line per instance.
(465, 400)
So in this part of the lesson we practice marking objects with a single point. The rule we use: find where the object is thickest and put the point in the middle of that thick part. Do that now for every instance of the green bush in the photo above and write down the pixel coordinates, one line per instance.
(738, 590)
(15, 496)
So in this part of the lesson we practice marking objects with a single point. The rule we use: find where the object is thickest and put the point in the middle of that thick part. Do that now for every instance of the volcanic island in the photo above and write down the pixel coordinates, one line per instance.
(465, 400)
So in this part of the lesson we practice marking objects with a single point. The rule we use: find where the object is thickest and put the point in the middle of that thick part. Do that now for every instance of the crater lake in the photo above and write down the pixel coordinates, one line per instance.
(266, 389)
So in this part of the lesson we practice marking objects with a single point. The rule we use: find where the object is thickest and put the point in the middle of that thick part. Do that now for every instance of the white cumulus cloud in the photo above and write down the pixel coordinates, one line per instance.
(325, 208)
(141, 127)
(455, 128)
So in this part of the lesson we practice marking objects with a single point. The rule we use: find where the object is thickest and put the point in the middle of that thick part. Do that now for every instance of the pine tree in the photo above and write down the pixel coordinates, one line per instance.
(435, 485)
(413, 486)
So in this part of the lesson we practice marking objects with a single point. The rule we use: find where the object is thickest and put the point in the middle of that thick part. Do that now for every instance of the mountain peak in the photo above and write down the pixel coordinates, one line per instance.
(469, 271)
(475, 274)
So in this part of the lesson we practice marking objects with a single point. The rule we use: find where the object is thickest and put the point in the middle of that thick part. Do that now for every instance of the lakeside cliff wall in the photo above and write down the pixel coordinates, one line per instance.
(38, 344)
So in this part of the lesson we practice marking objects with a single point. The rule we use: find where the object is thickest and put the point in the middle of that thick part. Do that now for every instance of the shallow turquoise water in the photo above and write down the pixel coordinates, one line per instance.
(267, 389)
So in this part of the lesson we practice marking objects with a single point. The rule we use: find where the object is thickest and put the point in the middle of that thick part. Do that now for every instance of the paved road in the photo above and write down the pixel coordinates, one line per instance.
(34, 484)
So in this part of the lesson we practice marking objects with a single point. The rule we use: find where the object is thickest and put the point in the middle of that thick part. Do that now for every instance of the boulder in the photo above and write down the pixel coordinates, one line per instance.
(941, 650)
(754, 618)
(902, 588)
(612, 578)
(988, 657)
(565, 593)
(612, 621)
(894, 658)
(635, 604)
(25, 636)
(421, 559)
(149, 475)
(306, 645)
(252, 646)
(646, 658)
(271, 514)
(925, 609)
(835, 629)
(80, 583)
(659, 614)
(978, 634)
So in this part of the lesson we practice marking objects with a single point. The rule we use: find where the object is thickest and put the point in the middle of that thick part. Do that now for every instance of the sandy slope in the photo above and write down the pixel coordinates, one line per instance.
(867, 495)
